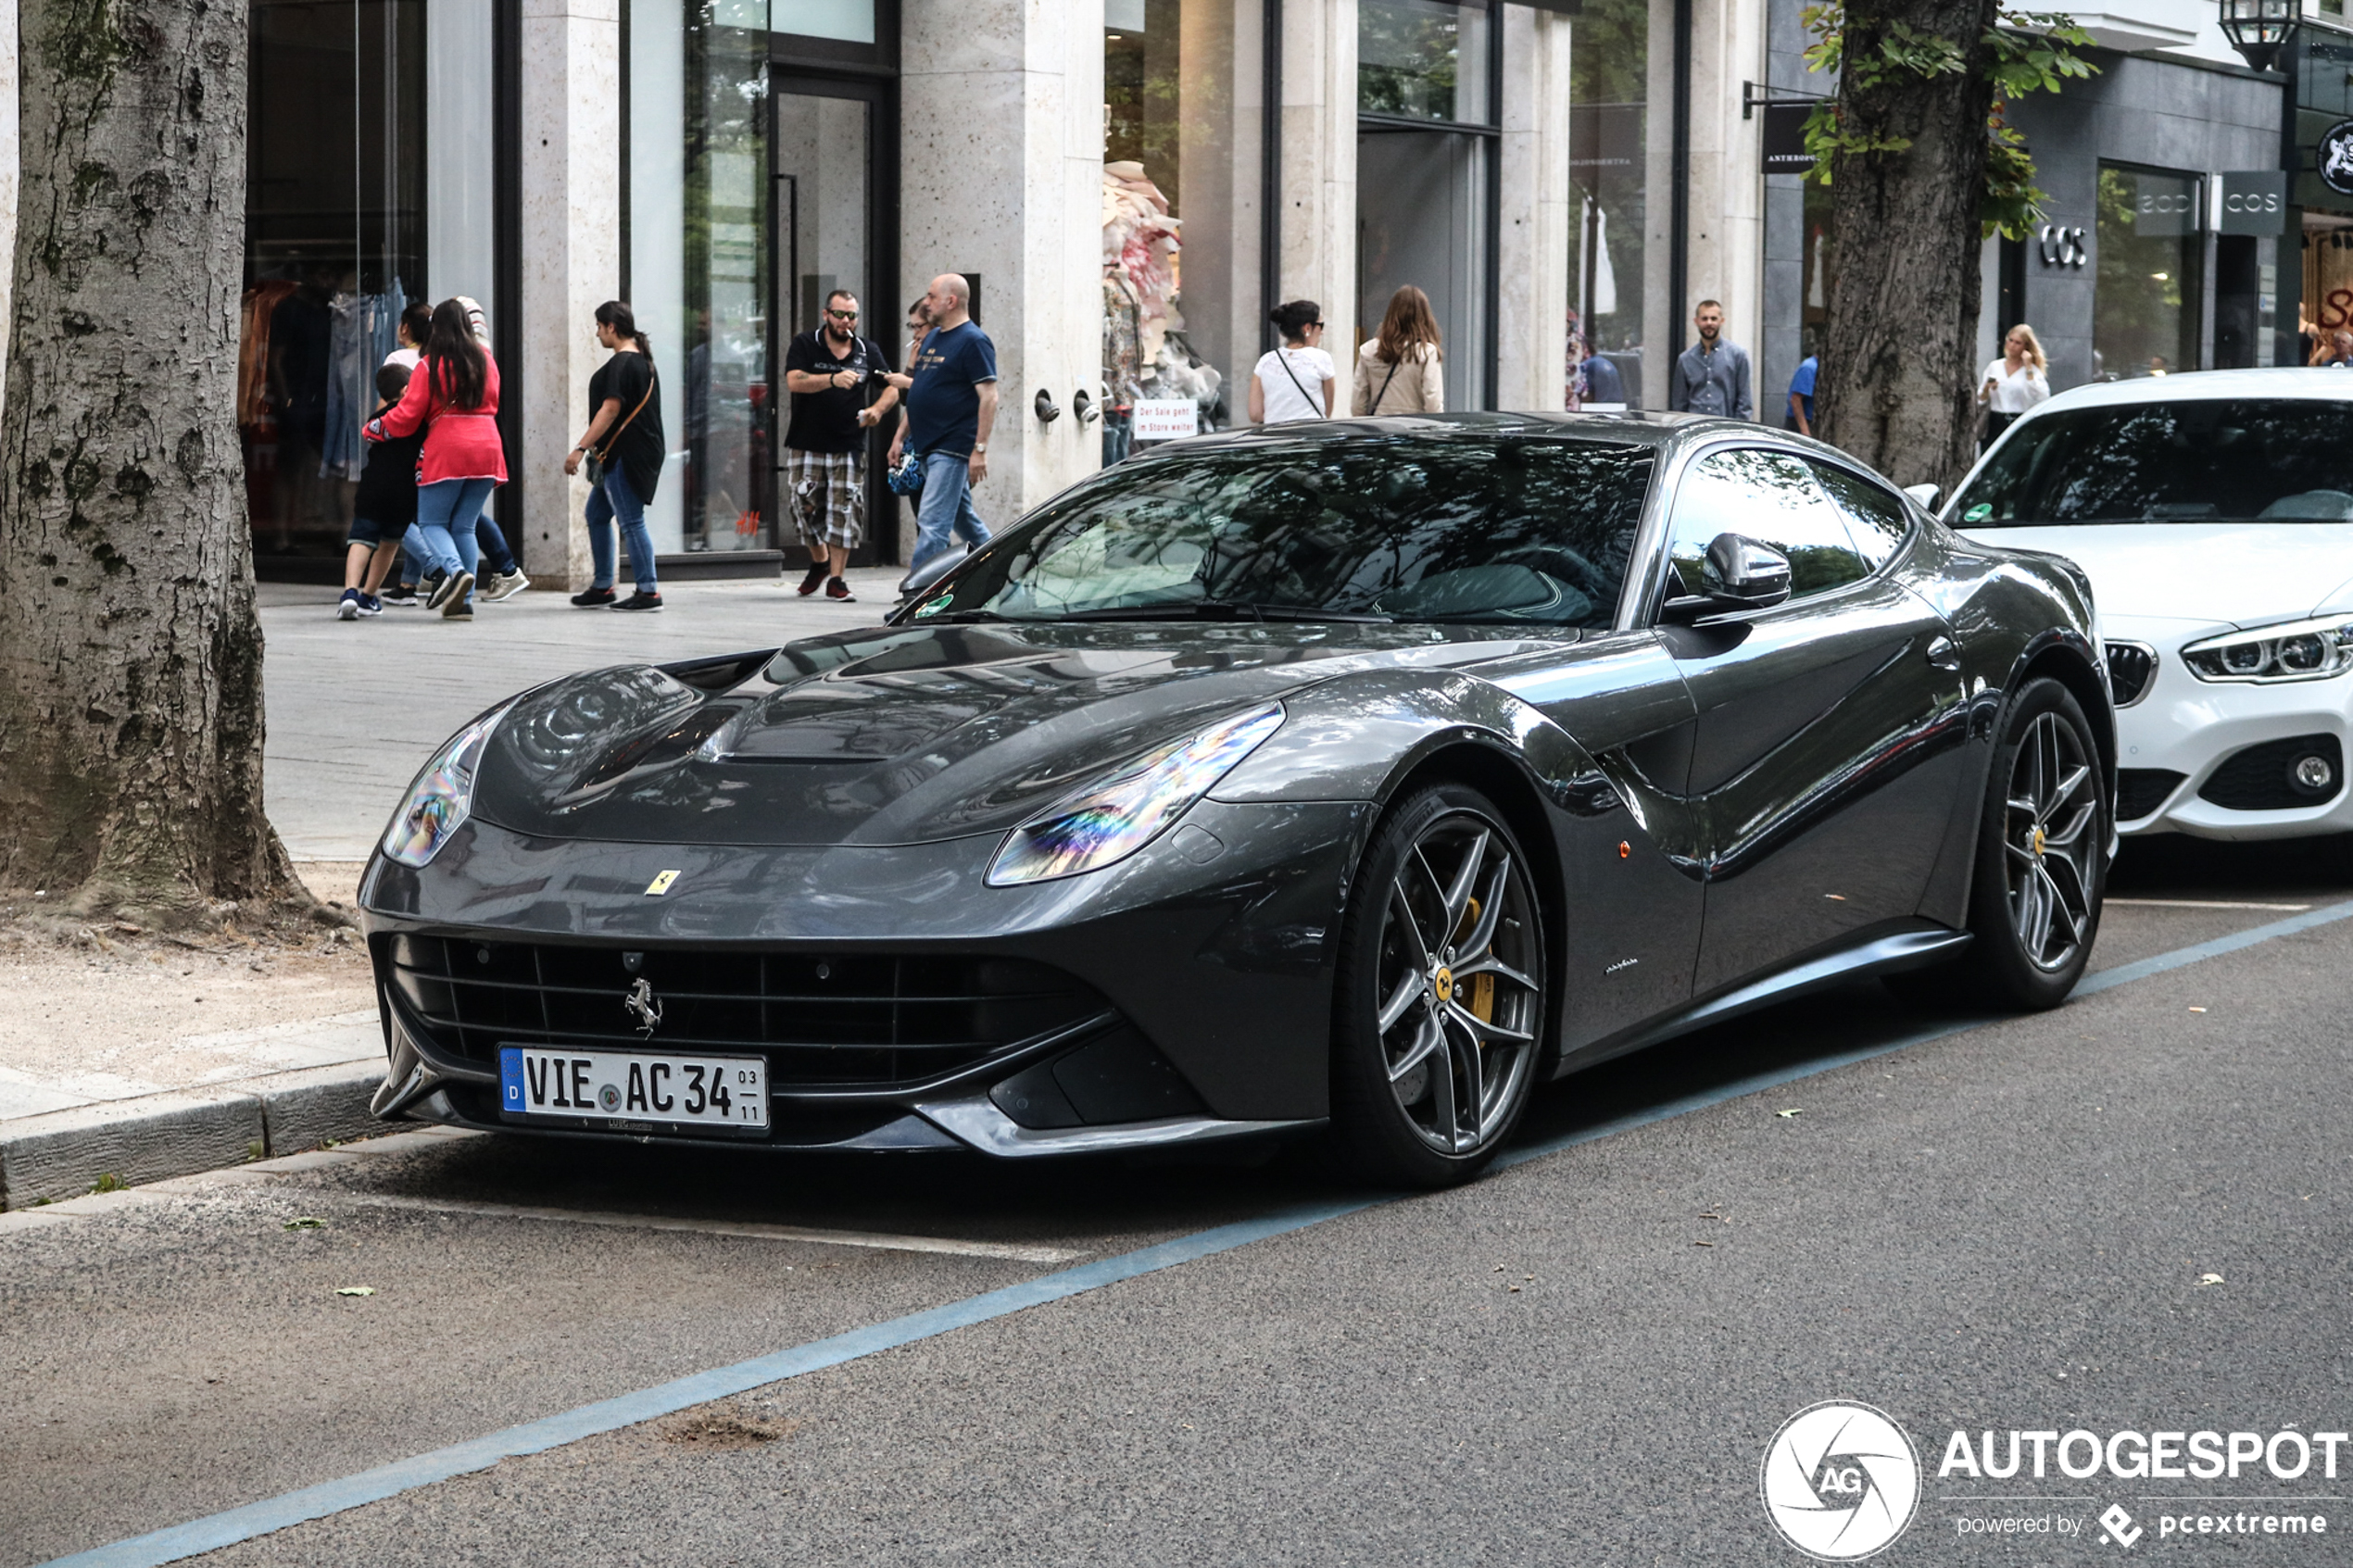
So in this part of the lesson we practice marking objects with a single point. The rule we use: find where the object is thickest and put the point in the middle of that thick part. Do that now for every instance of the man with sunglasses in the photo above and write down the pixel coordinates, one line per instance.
(828, 372)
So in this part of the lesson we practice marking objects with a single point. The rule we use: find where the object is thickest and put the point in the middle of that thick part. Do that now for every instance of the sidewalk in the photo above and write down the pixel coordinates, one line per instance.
(125, 1059)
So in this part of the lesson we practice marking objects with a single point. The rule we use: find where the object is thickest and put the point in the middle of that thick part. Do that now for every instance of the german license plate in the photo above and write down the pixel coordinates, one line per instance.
(722, 1093)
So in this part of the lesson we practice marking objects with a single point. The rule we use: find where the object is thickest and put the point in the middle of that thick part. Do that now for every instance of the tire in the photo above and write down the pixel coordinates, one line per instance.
(1430, 1100)
(2042, 856)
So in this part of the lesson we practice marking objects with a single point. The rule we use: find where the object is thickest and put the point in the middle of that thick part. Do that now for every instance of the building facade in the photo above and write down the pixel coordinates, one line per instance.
(1131, 185)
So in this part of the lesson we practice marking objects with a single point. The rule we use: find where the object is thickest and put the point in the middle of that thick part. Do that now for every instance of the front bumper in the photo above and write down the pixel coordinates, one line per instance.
(1210, 953)
(2176, 742)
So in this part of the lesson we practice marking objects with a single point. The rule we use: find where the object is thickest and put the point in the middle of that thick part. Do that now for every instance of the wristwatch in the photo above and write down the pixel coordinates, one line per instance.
(980, 446)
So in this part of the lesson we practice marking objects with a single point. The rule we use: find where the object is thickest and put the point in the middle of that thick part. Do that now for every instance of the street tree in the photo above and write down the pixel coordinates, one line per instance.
(130, 717)
(1921, 167)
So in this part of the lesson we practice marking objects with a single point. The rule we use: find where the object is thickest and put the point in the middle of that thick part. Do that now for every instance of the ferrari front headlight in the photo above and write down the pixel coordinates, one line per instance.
(1110, 820)
(443, 795)
(2303, 650)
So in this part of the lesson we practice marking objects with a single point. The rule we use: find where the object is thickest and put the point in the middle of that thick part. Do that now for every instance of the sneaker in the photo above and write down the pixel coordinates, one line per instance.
(456, 593)
(400, 596)
(814, 580)
(348, 607)
(640, 600)
(370, 605)
(594, 599)
(504, 586)
(429, 590)
(838, 591)
(458, 610)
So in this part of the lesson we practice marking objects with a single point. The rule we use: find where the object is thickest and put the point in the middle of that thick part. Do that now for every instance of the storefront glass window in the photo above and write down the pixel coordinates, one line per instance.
(2145, 314)
(698, 261)
(1181, 177)
(336, 247)
(1609, 184)
(1424, 204)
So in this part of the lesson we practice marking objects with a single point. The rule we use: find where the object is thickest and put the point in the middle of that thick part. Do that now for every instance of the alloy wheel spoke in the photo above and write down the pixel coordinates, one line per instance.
(1441, 1083)
(1490, 913)
(1431, 1035)
(1474, 1060)
(2068, 785)
(1498, 968)
(1419, 958)
(1410, 989)
(2057, 904)
(1458, 895)
(1482, 1029)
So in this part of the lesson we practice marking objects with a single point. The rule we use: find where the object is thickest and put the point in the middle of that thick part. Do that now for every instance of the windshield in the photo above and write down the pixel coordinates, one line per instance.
(2210, 460)
(1386, 529)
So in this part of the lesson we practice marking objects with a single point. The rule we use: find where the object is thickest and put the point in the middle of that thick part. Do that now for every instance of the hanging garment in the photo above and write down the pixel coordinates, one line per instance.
(253, 348)
(363, 334)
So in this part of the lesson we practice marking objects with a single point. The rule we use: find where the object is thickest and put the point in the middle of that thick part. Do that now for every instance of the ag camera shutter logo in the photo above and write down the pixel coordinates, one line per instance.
(1840, 1481)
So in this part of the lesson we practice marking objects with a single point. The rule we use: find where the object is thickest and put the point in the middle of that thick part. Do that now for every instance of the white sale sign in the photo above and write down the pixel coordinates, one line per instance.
(1166, 418)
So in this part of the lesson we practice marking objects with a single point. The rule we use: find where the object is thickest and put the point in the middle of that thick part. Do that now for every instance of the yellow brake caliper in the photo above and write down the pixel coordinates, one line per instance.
(1482, 985)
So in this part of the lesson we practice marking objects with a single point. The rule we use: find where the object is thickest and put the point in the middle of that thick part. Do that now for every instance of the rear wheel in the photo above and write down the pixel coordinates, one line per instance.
(1441, 1009)
(2042, 855)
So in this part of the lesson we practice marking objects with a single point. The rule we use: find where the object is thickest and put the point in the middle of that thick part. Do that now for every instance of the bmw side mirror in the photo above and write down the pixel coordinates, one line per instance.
(1925, 494)
(1741, 573)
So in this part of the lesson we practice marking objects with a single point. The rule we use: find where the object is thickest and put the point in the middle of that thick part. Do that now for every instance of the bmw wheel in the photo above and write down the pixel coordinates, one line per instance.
(1439, 1016)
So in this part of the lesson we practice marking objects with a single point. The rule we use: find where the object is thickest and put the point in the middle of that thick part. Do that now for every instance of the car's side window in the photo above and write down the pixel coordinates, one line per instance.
(1879, 522)
(1774, 498)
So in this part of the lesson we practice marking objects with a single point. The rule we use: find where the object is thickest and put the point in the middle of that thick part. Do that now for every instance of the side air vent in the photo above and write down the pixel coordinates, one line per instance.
(2130, 666)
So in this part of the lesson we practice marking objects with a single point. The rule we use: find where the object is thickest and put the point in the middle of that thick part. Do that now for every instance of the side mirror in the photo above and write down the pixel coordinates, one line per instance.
(932, 571)
(1737, 573)
(1926, 495)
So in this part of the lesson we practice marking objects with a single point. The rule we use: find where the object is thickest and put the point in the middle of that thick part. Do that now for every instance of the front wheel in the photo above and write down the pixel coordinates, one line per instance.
(1439, 1015)
(2042, 854)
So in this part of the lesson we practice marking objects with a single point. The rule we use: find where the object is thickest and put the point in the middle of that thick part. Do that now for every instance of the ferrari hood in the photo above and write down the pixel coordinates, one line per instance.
(2239, 574)
(906, 735)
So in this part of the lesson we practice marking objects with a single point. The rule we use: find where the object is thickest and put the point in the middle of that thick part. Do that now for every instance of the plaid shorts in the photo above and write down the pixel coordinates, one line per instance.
(828, 497)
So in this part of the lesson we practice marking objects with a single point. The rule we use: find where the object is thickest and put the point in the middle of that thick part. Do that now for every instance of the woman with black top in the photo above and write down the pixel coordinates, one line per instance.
(624, 437)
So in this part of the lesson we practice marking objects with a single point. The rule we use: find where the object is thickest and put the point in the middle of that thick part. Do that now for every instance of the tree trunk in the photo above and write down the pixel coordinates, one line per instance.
(130, 720)
(1899, 359)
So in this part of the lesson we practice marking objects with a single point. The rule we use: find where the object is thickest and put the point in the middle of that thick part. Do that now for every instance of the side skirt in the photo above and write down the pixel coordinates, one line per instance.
(1887, 950)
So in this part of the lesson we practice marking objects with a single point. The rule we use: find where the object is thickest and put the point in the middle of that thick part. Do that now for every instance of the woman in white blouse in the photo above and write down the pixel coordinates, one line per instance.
(1295, 380)
(2013, 383)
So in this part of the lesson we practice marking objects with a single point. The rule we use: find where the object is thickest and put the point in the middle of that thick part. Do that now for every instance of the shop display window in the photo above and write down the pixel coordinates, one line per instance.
(1610, 159)
(2145, 312)
(1182, 167)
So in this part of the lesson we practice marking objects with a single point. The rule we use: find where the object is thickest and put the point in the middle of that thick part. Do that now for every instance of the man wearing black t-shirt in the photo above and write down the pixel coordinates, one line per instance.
(827, 371)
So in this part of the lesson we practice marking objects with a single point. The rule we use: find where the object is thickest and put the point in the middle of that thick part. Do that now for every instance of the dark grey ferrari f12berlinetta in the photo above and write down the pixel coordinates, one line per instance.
(1361, 775)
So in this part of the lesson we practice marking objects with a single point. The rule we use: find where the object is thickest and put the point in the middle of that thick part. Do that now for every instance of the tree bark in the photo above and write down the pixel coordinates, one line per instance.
(130, 718)
(1899, 356)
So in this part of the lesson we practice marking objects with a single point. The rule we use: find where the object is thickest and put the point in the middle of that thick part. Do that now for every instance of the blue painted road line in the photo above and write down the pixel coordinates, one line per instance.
(271, 1515)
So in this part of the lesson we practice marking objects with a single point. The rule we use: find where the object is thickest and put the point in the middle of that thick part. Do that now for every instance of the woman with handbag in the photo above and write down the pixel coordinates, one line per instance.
(1397, 372)
(622, 454)
(1294, 382)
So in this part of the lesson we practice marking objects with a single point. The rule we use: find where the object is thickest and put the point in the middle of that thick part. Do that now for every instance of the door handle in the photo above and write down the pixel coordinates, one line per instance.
(1944, 653)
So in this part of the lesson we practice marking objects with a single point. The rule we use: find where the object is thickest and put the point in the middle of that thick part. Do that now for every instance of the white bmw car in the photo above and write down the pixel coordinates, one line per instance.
(2214, 515)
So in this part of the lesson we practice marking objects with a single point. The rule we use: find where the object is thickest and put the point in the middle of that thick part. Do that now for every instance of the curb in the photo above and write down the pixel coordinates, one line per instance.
(62, 1154)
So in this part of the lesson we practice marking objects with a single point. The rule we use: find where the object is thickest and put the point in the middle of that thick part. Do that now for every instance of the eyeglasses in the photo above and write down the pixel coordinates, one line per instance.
(842, 315)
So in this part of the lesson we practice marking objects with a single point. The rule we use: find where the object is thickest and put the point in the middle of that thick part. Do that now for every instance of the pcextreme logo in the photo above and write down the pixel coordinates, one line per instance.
(1840, 1481)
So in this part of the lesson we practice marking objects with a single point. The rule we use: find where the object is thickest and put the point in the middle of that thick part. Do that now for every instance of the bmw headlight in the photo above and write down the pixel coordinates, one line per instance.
(2303, 650)
(442, 796)
(1112, 819)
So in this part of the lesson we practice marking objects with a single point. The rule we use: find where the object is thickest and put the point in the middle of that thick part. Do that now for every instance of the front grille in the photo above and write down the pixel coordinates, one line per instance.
(2130, 665)
(2263, 778)
(2140, 791)
(826, 1023)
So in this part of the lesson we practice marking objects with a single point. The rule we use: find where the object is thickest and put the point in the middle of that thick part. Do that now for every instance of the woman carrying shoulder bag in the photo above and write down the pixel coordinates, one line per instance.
(623, 451)
(1294, 382)
(1397, 371)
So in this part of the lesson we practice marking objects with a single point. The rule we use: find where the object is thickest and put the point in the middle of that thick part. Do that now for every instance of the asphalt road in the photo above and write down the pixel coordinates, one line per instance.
(1580, 1359)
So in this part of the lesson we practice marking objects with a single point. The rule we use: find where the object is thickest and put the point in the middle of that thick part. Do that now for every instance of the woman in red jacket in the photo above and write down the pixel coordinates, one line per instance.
(455, 399)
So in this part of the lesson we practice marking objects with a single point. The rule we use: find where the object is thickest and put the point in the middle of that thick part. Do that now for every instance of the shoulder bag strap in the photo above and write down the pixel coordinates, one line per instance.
(612, 437)
(1384, 390)
(1284, 360)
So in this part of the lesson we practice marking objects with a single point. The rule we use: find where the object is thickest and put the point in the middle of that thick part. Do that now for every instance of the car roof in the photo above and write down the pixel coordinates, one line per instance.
(1632, 428)
(2293, 381)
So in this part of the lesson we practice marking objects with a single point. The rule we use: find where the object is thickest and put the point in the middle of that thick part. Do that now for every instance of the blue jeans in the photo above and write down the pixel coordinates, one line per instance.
(612, 499)
(946, 507)
(447, 510)
(493, 541)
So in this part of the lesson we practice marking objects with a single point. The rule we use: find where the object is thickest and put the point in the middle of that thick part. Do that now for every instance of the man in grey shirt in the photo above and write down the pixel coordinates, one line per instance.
(1711, 376)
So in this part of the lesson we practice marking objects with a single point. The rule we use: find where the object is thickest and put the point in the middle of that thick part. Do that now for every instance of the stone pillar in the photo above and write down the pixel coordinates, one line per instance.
(1531, 314)
(1000, 174)
(1728, 180)
(7, 176)
(1318, 194)
(571, 262)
